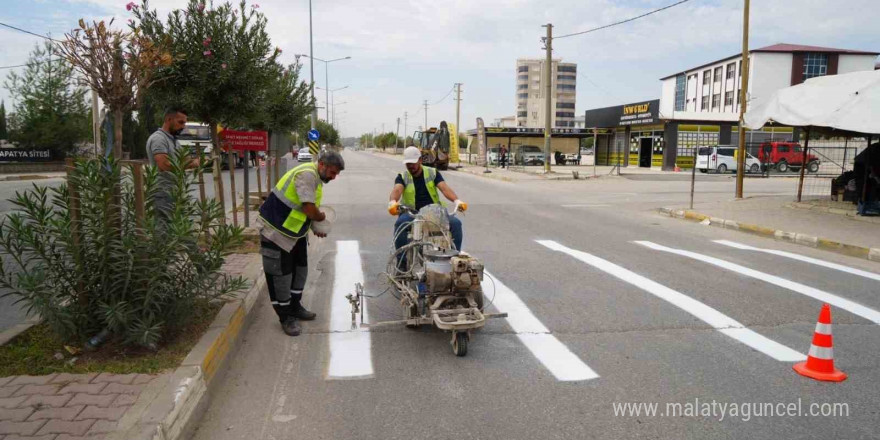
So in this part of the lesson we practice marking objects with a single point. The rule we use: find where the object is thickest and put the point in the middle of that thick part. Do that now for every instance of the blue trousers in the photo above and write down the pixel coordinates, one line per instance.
(401, 229)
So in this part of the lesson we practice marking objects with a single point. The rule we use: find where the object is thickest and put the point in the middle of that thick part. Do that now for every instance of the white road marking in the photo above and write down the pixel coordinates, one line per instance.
(350, 356)
(830, 298)
(553, 354)
(840, 267)
(586, 205)
(714, 318)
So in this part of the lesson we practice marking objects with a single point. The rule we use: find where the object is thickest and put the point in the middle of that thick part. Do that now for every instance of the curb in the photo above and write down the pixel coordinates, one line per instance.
(872, 254)
(27, 177)
(171, 405)
(17, 329)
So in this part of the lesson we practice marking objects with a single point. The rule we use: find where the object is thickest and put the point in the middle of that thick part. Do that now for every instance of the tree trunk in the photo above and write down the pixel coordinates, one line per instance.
(218, 178)
(117, 134)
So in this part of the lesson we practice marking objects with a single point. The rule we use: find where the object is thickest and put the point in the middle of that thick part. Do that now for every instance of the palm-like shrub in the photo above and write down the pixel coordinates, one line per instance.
(106, 270)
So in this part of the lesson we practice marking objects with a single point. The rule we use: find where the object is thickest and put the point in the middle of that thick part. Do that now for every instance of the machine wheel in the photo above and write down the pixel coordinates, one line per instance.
(813, 166)
(722, 169)
(460, 343)
(782, 166)
(754, 169)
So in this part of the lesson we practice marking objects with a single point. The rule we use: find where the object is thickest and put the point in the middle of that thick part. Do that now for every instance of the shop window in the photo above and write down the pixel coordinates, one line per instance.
(707, 77)
(718, 74)
(728, 98)
(716, 100)
(731, 70)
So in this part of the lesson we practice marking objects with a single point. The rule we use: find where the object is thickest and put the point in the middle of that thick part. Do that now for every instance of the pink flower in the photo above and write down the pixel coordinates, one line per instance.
(278, 49)
(223, 65)
(130, 6)
(255, 6)
(206, 53)
(207, 42)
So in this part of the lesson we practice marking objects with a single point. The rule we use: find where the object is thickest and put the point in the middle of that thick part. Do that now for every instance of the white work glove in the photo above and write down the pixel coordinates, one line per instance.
(393, 207)
(460, 206)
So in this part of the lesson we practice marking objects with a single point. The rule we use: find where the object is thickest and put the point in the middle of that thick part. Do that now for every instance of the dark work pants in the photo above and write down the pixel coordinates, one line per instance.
(286, 274)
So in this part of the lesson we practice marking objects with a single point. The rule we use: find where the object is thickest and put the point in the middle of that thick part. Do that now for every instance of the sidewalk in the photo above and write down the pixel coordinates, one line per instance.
(785, 220)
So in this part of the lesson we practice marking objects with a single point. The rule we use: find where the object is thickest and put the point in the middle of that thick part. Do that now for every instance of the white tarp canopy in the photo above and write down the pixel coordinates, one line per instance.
(849, 102)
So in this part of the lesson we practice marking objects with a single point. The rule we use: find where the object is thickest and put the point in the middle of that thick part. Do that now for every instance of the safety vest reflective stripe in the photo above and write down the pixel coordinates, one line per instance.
(409, 190)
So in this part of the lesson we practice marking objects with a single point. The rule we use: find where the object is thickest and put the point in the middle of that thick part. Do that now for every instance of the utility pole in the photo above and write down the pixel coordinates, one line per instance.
(397, 135)
(548, 98)
(404, 129)
(312, 69)
(426, 115)
(458, 116)
(744, 71)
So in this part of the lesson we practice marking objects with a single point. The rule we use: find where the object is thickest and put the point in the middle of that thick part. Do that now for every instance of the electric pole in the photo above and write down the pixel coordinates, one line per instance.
(743, 93)
(426, 115)
(548, 97)
(397, 136)
(404, 129)
(458, 115)
(312, 69)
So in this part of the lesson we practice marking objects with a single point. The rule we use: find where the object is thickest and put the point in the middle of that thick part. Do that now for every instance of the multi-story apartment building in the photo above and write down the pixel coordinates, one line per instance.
(531, 93)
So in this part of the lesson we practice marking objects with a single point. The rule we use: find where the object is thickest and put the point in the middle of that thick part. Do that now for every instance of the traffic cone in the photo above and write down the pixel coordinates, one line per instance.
(820, 359)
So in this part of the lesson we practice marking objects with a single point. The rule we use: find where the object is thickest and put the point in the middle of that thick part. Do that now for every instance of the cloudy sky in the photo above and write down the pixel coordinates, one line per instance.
(407, 51)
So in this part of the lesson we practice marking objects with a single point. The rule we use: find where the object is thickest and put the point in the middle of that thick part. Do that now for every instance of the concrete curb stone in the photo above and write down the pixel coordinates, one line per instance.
(872, 254)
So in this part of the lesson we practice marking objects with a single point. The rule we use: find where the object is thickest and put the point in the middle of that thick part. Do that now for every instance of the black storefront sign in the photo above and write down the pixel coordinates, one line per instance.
(640, 113)
(21, 155)
(514, 131)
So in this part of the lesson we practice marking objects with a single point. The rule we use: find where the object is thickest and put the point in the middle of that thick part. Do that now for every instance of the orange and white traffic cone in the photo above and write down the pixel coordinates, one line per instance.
(820, 360)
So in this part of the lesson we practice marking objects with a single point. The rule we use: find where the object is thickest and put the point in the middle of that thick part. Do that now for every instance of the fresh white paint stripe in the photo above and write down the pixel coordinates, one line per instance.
(553, 354)
(714, 318)
(350, 355)
(587, 205)
(830, 298)
(840, 267)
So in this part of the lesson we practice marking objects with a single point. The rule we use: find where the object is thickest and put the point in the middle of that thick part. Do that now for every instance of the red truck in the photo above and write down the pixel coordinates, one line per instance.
(785, 156)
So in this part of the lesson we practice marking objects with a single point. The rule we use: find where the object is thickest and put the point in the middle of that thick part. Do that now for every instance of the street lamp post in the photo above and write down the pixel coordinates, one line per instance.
(332, 102)
(326, 78)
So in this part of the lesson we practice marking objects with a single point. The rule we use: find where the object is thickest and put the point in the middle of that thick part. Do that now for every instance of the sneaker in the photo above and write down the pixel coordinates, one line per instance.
(302, 314)
(291, 327)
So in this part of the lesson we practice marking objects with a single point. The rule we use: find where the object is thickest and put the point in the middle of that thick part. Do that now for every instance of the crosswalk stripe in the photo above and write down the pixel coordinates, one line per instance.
(703, 312)
(816, 261)
(830, 298)
(553, 354)
(350, 355)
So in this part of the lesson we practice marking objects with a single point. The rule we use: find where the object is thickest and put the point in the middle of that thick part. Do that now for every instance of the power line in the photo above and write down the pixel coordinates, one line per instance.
(28, 32)
(623, 21)
(444, 98)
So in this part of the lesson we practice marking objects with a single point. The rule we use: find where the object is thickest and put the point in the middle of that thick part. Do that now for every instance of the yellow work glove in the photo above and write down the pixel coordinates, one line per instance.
(462, 206)
(393, 208)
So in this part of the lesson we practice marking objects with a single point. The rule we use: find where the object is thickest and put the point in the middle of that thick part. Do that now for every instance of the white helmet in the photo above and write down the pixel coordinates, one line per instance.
(411, 155)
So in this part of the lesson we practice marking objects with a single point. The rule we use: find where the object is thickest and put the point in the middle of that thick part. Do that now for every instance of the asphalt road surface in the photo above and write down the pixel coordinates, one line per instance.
(609, 304)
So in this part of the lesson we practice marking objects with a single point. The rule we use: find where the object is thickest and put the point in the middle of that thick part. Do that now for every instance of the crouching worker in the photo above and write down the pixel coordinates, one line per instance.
(284, 222)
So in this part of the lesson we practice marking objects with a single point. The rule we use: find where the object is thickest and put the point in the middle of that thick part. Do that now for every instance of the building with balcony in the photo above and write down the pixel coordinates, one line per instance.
(531, 93)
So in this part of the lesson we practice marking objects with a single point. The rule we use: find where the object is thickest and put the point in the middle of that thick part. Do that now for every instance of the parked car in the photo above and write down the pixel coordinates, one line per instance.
(722, 158)
(530, 155)
(304, 155)
(492, 155)
(785, 156)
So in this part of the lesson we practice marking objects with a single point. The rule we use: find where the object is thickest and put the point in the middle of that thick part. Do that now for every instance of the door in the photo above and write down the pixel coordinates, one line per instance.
(645, 151)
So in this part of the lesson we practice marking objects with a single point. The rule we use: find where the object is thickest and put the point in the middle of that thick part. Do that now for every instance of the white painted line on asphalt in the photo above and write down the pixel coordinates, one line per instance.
(816, 261)
(350, 356)
(553, 354)
(714, 318)
(586, 205)
(821, 295)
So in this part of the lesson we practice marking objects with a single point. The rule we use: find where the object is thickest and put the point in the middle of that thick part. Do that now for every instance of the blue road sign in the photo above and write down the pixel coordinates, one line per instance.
(314, 135)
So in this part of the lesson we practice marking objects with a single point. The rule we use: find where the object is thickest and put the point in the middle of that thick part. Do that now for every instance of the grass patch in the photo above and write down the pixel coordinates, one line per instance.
(34, 351)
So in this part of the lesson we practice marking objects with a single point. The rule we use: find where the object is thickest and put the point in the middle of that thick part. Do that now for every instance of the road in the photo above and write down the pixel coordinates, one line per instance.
(606, 307)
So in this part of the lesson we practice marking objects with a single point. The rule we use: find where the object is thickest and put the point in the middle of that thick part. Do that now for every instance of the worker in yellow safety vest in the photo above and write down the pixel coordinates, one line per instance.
(284, 223)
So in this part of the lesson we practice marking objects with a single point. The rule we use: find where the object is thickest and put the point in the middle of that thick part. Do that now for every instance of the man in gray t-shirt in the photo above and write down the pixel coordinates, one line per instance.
(161, 146)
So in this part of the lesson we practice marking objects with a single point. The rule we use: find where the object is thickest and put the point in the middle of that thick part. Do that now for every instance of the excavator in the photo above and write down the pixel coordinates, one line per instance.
(435, 145)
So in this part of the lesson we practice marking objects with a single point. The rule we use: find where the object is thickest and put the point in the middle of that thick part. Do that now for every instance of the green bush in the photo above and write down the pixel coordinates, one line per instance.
(106, 272)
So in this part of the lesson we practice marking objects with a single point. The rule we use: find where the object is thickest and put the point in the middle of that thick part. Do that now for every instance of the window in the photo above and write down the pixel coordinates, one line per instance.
(716, 100)
(680, 89)
(523, 77)
(566, 78)
(740, 69)
(718, 74)
(522, 114)
(565, 105)
(738, 96)
(569, 69)
(783, 149)
(534, 115)
(523, 96)
(565, 87)
(522, 86)
(707, 77)
(705, 103)
(731, 70)
(815, 64)
(728, 98)
(564, 114)
(522, 69)
(725, 152)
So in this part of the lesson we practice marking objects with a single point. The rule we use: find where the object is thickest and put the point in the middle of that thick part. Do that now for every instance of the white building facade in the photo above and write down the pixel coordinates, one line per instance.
(531, 93)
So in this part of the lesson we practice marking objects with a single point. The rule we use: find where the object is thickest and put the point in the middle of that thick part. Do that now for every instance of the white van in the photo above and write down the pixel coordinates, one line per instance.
(722, 158)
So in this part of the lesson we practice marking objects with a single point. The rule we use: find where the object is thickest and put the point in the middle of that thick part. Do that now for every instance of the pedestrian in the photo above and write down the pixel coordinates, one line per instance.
(503, 157)
(161, 146)
(284, 223)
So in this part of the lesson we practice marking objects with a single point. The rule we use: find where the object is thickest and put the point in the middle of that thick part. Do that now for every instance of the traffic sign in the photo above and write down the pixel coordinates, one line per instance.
(314, 135)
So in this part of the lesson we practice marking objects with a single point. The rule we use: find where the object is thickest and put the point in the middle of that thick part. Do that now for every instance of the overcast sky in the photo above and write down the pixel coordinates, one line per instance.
(404, 52)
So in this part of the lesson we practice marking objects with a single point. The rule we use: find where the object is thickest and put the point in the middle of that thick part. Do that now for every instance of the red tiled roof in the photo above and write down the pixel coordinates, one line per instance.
(785, 47)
